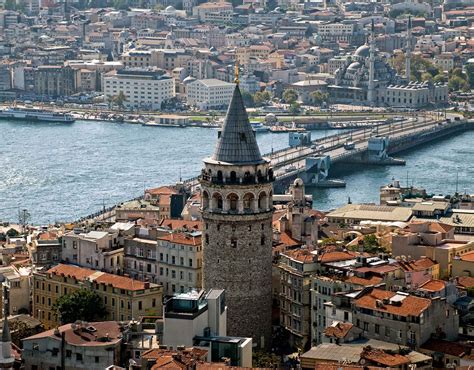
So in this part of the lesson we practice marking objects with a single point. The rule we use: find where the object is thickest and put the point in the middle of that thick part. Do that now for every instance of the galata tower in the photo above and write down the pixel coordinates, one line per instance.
(236, 190)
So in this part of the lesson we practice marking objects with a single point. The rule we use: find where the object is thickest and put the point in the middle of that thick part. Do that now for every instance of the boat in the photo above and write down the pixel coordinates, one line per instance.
(35, 114)
(259, 127)
(158, 124)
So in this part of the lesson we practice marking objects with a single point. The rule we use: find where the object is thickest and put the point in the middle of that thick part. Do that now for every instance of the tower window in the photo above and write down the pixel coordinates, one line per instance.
(262, 240)
(207, 238)
(233, 243)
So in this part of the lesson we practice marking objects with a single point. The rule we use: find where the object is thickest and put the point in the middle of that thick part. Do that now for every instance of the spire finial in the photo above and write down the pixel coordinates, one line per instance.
(236, 80)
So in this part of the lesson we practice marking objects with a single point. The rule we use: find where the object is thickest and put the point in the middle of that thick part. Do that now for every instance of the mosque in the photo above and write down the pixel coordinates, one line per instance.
(367, 78)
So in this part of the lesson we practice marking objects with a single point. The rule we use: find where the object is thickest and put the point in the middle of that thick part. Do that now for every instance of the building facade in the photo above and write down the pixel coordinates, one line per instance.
(236, 192)
(209, 93)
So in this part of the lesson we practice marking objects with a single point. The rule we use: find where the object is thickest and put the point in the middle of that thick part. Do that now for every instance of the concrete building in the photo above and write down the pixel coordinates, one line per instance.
(45, 249)
(353, 214)
(209, 93)
(200, 319)
(123, 297)
(55, 81)
(296, 267)
(214, 12)
(17, 282)
(244, 54)
(172, 259)
(99, 250)
(463, 265)
(142, 88)
(236, 193)
(93, 346)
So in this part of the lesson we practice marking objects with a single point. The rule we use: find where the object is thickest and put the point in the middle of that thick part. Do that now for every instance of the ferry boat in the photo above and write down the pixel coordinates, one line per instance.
(34, 114)
(259, 127)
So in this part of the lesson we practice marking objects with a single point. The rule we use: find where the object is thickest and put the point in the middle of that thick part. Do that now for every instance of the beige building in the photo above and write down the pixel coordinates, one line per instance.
(172, 259)
(124, 298)
(136, 209)
(17, 280)
(296, 268)
(220, 12)
(100, 250)
(353, 214)
(244, 54)
(463, 265)
(94, 346)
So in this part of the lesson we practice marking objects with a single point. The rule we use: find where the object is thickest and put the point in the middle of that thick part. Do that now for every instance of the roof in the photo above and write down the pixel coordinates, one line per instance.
(356, 280)
(237, 143)
(338, 329)
(468, 257)
(82, 274)
(417, 265)
(182, 238)
(409, 305)
(433, 285)
(443, 346)
(465, 281)
(181, 224)
(381, 357)
(372, 212)
(91, 334)
(333, 352)
(334, 256)
(162, 190)
(300, 255)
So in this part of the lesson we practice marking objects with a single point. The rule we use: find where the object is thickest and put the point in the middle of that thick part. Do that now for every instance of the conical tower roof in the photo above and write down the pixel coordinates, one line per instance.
(237, 143)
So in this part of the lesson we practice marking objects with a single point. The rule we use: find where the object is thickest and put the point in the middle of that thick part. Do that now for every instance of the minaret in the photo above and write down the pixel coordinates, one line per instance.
(408, 52)
(6, 359)
(371, 87)
(236, 191)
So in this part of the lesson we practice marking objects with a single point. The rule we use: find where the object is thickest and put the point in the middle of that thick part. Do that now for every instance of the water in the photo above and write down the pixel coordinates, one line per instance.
(63, 172)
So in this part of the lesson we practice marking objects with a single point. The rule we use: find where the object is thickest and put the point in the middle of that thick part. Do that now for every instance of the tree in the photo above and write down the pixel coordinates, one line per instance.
(290, 96)
(248, 99)
(426, 76)
(261, 98)
(20, 330)
(120, 99)
(318, 97)
(470, 74)
(83, 304)
(265, 360)
(294, 108)
(456, 83)
(439, 78)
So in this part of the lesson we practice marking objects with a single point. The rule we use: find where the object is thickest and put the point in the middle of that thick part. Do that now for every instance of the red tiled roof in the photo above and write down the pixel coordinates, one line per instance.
(443, 346)
(383, 358)
(181, 238)
(83, 337)
(301, 255)
(285, 238)
(374, 280)
(334, 256)
(79, 273)
(162, 190)
(339, 330)
(465, 281)
(181, 224)
(120, 282)
(468, 257)
(417, 265)
(433, 285)
(410, 306)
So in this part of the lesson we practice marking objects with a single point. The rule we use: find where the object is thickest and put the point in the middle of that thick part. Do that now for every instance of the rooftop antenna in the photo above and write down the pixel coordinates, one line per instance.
(180, 178)
(457, 180)
(407, 179)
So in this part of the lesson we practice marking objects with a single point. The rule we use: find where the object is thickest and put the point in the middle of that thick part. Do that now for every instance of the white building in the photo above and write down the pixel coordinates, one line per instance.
(17, 281)
(415, 95)
(209, 93)
(98, 250)
(142, 88)
(199, 319)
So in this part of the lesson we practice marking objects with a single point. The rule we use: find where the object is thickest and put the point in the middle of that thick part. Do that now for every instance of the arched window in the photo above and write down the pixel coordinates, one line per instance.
(248, 202)
(219, 176)
(259, 175)
(270, 174)
(233, 202)
(262, 200)
(205, 200)
(217, 201)
(233, 177)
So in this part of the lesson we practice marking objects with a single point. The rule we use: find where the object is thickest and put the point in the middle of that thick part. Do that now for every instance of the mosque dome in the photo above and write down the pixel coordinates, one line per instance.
(170, 9)
(189, 79)
(354, 66)
(362, 51)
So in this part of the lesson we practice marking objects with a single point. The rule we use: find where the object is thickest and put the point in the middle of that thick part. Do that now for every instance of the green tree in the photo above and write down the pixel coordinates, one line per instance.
(83, 304)
(248, 99)
(290, 96)
(294, 108)
(120, 99)
(470, 74)
(318, 97)
(261, 98)
(426, 76)
(439, 78)
(265, 360)
(456, 83)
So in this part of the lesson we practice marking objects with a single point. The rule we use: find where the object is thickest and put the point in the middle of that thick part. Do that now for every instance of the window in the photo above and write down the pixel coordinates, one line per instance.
(190, 262)
(377, 329)
(97, 359)
(68, 353)
(140, 305)
(78, 356)
(366, 326)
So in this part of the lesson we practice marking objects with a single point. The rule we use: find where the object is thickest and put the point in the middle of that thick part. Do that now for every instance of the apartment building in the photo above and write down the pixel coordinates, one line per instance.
(17, 281)
(212, 12)
(100, 250)
(146, 89)
(395, 317)
(336, 31)
(92, 346)
(209, 93)
(123, 297)
(173, 259)
(55, 81)
(244, 54)
(296, 268)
